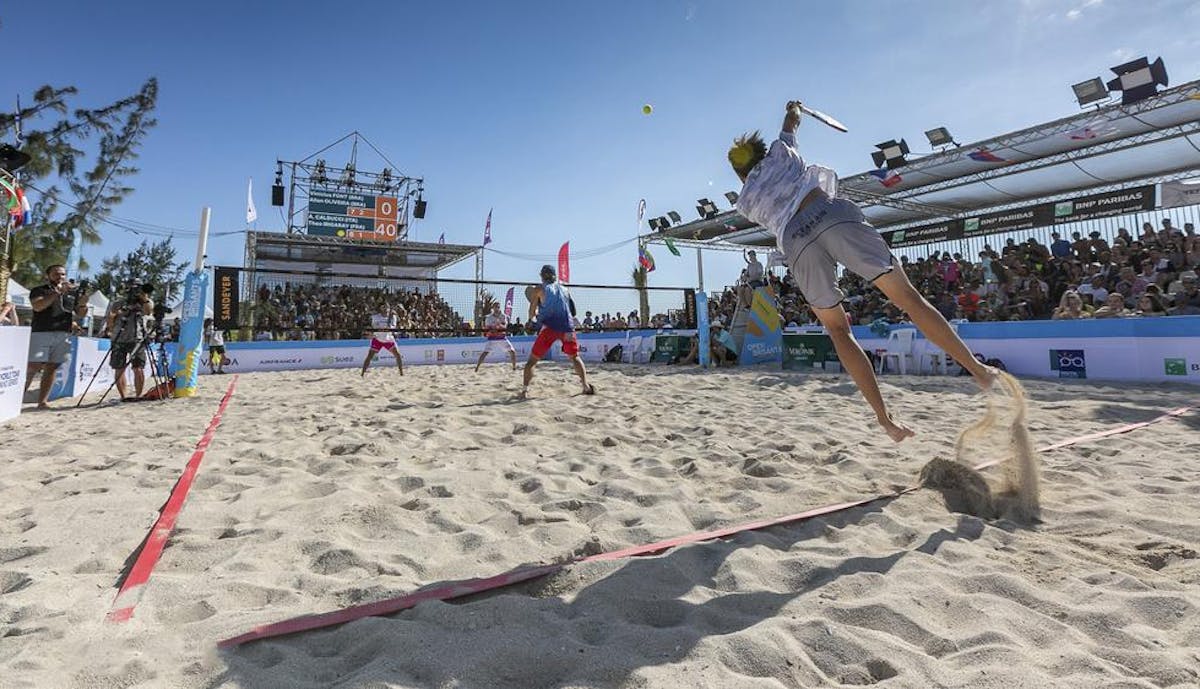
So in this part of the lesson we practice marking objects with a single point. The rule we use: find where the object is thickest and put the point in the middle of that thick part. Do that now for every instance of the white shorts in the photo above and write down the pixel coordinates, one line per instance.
(502, 344)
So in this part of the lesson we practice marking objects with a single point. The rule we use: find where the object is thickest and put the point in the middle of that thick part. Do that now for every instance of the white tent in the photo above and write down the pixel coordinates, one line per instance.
(18, 295)
(178, 311)
(98, 303)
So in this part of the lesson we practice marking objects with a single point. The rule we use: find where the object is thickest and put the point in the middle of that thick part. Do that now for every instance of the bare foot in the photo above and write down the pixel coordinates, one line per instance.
(896, 431)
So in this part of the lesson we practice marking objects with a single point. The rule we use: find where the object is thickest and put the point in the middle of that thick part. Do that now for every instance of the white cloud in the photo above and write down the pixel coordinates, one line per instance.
(1077, 12)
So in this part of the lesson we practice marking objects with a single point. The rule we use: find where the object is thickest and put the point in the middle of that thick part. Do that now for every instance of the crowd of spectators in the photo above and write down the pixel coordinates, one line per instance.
(317, 312)
(1152, 274)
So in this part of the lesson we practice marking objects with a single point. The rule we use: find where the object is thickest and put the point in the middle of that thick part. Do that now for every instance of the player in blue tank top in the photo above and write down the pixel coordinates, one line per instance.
(551, 305)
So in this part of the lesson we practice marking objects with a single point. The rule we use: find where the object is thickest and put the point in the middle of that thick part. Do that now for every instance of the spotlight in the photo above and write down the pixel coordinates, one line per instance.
(659, 224)
(1138, 80)
(731, 197)
(1090, 91)
(940, 137)
(707, 209)
(890, 153)
(277, 188)
(11, 158)
(348, 175)
(419, 208)
(319, 172)
(675, 217)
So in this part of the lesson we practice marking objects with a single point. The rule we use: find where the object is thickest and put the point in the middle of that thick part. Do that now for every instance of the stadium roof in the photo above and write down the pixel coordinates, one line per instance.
(281, 250)
(1110, 147)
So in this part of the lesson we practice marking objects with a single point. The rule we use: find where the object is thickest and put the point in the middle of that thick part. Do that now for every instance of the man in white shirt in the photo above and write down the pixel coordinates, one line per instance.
(495, 329)
(754, 270)
(383, 323)
(816, 231)
(214, 339)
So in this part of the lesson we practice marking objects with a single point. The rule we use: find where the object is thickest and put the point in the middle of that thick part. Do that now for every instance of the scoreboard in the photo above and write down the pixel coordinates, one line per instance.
(342, 213)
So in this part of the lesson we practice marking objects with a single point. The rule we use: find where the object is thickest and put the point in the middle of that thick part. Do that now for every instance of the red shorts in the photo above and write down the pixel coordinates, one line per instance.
(377, 345)
(547, 337)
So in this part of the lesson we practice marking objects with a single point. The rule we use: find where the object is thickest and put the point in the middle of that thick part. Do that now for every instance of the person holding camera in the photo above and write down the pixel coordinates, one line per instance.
(127, 333)
(55, 306)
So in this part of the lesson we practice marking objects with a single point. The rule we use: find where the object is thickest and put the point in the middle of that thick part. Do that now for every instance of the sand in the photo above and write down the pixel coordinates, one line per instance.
(321, 491)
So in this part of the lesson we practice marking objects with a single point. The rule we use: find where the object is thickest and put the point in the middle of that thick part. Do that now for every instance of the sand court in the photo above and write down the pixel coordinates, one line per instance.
(320, 492)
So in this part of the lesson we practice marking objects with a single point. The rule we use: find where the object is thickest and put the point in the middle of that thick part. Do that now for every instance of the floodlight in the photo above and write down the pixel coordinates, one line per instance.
(1138, 80)
(940, 137)
(731, 197)
(890, 153)
(675, 217)
(659, 224)
(707, 209)
(1090, 91)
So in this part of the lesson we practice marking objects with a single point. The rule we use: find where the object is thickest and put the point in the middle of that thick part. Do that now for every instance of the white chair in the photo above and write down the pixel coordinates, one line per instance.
(900, 348)
(939, 361)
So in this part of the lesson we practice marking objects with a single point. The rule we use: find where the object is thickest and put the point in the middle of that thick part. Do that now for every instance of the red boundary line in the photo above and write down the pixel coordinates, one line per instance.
(471, 586)
(134, 584)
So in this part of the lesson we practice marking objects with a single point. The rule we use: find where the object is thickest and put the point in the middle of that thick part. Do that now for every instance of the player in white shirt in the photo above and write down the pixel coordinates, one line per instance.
(495, 329)
(383, 338)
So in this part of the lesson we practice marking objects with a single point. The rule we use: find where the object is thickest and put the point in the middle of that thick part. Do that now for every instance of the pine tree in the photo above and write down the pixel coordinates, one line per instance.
(108, 137)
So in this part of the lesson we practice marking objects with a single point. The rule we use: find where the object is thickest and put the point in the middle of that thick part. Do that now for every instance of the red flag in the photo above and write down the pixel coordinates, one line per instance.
(564, 262)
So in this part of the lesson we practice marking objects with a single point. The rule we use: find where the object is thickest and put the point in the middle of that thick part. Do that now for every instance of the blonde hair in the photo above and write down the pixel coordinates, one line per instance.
(746, 152)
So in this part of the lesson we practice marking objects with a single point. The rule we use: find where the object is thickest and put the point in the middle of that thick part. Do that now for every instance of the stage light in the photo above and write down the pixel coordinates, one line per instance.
(319, 172)
(940, 136)
(731, 197)
(1138, 79)
(11, 158)
(890, 153)
(348, 175)
(659, 224)
(675, 217)
(1090, 91)
(707, 209)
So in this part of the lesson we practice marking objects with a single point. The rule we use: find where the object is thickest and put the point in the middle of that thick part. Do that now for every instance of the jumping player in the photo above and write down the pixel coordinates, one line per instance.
(495, 329)
(551, 303)
(383, 323)
(815, 230)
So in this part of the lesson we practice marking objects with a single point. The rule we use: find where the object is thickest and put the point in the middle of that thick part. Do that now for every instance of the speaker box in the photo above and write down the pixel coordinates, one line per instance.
(277, 195)
(419, 210)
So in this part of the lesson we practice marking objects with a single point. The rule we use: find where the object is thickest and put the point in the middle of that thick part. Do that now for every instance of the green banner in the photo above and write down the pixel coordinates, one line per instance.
(802, 352)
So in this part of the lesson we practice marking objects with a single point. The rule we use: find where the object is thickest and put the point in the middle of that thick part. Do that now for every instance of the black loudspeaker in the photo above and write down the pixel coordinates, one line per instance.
(419, 209)
(277, 195)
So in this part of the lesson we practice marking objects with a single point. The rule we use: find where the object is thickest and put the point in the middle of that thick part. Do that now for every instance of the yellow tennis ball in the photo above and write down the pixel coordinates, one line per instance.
(647, 109)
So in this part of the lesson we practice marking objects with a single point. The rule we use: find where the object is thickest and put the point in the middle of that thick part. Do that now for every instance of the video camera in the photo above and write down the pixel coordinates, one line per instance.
(78, 293)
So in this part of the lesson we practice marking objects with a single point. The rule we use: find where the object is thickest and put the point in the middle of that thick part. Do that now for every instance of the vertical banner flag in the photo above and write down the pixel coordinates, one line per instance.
(225, 292)
(702, 328)
(764, 335)
(75, 255)
(564, 262)
(442, 239)
(191, 333)
(251, 211)
(641, 212)
(487, 229)
(508, 303)
(644, 258)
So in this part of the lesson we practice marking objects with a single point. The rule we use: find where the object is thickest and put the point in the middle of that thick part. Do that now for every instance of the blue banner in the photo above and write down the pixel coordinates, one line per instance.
(702, 328)
(764, 331)
(191, 333)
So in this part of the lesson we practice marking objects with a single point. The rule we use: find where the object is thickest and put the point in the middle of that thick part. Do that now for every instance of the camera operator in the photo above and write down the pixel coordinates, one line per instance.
(127, 332)
(55, 306)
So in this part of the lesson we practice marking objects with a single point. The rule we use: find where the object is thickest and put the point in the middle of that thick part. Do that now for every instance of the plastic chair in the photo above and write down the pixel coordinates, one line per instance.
(900, 348)
(939, 361)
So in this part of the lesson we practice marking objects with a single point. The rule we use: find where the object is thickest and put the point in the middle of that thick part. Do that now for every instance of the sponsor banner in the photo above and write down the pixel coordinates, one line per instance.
(14, 359)
(1182, 367)
(1069, 363)
(191, 333)
(689, 308)
(804, 351)
(1104, 205)
(764, 331)
(1175, 194)
(226, 294)
(1025, 218)
(924, 234)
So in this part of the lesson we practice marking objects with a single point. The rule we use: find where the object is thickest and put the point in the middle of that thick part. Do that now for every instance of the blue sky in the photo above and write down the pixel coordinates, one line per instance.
(534, 108)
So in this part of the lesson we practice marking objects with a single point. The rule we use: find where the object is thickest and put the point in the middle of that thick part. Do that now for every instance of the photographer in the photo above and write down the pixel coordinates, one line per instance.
(55, 306)
(126, 326)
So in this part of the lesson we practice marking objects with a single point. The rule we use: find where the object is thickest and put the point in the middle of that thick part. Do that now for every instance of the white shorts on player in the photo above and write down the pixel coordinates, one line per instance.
(495, 328)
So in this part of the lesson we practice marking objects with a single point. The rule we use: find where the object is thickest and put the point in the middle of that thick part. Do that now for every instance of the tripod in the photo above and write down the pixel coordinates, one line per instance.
(145, 338)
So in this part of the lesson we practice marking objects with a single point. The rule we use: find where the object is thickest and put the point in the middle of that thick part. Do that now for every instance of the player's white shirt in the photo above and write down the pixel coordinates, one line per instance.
(380, 322)
(495, 327)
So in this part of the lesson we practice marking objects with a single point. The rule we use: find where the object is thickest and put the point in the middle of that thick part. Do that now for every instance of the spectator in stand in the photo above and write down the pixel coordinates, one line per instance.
(1059, 248)
(1096, 246)
(968, 303)
(1151, 305)
(1149, 275)
(1187, 299)
(1130, 286)
(1080, 247)
(1095, 289)
(1148, 234)
(1114, 307)
(1070, 307)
